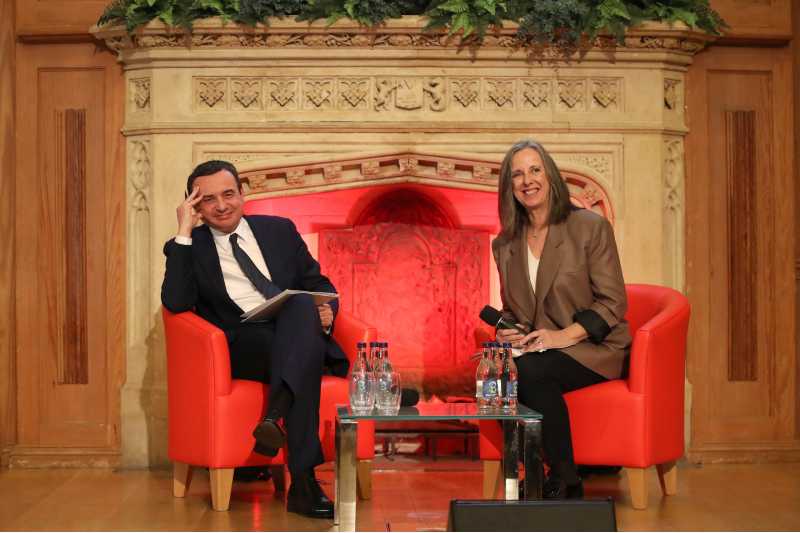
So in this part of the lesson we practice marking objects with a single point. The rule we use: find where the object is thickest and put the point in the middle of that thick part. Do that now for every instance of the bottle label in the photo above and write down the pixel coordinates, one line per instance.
(362, 386)
(512, 389)
(489, 388)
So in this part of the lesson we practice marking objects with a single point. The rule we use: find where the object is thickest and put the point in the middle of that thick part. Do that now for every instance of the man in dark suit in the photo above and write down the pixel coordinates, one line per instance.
(229, 265)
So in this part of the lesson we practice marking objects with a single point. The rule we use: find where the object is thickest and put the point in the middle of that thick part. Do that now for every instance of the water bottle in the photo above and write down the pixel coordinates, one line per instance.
(496, 357)
(373, 356)
(485, 380)
(387, 396)
(508, 395)
(362, 394)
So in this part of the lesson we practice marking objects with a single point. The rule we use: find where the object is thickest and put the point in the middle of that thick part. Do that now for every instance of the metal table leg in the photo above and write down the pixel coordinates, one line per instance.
(510, 459)
(534, 475)
(345, 505)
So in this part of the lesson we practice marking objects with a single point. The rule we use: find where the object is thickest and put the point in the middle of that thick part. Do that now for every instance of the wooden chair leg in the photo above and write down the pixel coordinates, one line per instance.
(181, 479)
(364, 479)
(278, 475)
(492, 478)
(637, 480)
(668, 477)
(221, 484)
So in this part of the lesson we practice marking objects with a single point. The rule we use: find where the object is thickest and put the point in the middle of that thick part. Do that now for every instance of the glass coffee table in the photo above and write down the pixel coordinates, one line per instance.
(523, 421)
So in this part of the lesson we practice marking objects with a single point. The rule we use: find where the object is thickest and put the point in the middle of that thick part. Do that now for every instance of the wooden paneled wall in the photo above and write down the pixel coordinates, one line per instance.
(7, 387)
(742, 358)
(68, 220)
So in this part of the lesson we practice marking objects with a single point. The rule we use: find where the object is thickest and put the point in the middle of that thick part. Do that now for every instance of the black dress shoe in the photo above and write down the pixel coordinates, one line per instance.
(556, 488)
(307, 498)
(269, 436)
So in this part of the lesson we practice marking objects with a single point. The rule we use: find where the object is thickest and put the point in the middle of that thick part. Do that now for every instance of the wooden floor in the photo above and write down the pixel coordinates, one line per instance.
(409, 495)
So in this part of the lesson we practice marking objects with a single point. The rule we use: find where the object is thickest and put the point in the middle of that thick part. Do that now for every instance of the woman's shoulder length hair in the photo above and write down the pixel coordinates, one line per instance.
(513, 216)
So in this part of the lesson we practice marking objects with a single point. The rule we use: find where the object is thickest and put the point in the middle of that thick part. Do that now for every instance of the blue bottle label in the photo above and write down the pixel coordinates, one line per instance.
(489, 388)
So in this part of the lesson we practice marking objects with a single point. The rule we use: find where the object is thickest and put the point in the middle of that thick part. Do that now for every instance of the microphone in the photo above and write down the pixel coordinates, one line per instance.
(494, 318)
(408, 397)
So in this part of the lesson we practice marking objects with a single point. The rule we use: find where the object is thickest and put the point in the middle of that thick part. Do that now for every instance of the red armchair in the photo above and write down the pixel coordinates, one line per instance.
(635, 422)
(211, 416)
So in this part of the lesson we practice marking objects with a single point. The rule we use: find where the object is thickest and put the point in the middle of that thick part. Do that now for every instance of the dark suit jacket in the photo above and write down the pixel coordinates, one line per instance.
(579, 280)
(193, 277)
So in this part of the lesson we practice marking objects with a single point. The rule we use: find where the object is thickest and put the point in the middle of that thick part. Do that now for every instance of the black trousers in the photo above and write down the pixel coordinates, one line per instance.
(542, 381)
(289, 350)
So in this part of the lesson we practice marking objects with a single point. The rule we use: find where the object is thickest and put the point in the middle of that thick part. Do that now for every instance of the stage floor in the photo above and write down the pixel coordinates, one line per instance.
(409, 494)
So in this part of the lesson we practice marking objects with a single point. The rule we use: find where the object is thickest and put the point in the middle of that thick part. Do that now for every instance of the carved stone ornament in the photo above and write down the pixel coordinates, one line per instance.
(140, 175)
(571, 93)
(500, 92)
(536, 93)
(405, 33)
(246, 92)
(605, 92)
(671, 88)
(318, 93)
(466, 91)
(282, 92)
(332, 172)
(210, 92)
(673, 175)
(353, 92)
(140, 94)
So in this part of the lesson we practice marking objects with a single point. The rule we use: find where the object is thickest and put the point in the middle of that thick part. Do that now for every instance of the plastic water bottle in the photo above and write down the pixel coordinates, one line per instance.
(508, 378)
(495, 354)
(362, 389)
(486, 380)
(373, 355)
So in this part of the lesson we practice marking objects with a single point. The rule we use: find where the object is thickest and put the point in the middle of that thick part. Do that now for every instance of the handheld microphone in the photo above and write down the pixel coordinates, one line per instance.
(494, 318)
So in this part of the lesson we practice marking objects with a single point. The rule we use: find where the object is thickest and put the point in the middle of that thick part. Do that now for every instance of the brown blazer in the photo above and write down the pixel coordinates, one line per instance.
(579, 271)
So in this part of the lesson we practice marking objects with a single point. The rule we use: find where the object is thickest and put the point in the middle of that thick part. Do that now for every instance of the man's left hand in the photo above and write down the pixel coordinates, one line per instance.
(325, 315)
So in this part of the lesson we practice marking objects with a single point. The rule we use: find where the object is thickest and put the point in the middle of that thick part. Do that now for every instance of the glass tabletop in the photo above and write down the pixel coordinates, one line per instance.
(441, 411)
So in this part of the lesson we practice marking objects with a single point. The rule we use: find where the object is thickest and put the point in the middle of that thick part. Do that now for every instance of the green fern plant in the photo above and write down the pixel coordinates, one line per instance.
(541, 22)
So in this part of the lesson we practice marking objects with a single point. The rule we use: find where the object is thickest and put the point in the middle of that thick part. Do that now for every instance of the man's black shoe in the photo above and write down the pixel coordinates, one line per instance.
(556, 488)
(269, 436)
(248, 474)
(307, 498)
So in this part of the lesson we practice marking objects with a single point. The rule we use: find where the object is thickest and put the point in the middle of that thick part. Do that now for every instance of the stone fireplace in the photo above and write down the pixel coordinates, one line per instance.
(384, 146)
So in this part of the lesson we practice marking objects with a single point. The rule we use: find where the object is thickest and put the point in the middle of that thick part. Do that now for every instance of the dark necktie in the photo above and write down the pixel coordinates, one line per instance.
(259, 280)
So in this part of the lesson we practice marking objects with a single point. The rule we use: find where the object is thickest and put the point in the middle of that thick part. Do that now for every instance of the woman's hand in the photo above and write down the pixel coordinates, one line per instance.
(548, 339)
(510, 335)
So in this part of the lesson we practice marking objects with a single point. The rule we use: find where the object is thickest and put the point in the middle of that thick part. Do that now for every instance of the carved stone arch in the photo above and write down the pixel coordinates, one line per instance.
(303, 177)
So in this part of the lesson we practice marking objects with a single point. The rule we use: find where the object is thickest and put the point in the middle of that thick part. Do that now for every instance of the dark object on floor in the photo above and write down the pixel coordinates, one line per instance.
(585, 471)
(536, 515)
(556, 488)
(307, 498)
(248, 474)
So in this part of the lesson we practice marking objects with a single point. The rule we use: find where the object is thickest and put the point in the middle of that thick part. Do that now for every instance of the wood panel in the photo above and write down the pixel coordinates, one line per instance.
(731, 419)
(7, 405)
(69, 242)
(756, 20)
(57, 18)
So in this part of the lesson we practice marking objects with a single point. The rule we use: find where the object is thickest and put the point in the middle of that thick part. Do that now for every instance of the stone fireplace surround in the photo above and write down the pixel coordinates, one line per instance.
(323, 120)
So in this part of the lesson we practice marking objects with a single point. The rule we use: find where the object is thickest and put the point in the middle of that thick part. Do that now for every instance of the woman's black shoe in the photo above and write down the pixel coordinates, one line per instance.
(556, 488)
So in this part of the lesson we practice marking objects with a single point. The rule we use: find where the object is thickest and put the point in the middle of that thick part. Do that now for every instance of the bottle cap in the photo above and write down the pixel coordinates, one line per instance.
(361, 344)
(506, 345)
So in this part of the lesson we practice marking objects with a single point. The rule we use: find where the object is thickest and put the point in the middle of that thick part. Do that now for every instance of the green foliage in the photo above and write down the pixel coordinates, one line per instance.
(559, 22)
(468, 16)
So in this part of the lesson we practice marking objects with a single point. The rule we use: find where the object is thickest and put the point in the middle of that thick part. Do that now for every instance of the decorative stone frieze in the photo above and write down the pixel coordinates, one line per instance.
(139, 91)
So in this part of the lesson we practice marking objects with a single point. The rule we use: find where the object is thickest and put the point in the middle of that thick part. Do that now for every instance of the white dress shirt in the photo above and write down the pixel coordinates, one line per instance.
(240, 289)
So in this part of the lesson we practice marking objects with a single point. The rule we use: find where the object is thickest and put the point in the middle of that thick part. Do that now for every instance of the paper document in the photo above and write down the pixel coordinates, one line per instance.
(270, 308)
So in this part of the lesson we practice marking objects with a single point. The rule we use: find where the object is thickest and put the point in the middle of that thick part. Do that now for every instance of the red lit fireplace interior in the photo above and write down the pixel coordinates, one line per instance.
(411, 260)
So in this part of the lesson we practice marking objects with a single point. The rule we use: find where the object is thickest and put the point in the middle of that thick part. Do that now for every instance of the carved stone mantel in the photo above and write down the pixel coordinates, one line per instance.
(293, 103)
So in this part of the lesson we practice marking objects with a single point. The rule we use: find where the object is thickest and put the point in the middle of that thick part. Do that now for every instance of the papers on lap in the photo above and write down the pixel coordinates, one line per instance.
(270, 308)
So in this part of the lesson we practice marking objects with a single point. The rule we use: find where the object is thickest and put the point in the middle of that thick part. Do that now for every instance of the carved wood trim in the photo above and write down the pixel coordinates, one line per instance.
(74, 365)
(740, 138)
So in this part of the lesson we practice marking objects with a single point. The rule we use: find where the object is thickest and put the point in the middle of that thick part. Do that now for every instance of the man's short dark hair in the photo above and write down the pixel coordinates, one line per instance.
(212, 167)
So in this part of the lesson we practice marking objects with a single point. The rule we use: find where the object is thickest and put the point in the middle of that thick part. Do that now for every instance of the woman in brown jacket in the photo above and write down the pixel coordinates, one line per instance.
(562, 284)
